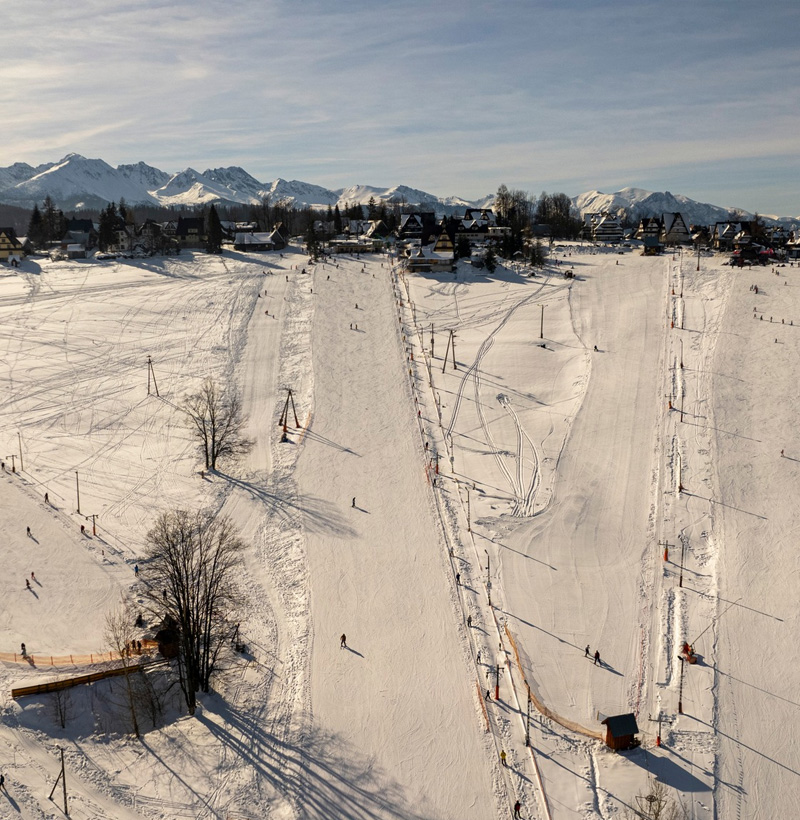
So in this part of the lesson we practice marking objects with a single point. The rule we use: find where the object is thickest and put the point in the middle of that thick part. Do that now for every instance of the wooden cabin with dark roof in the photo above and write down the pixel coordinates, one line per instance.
(621, 731)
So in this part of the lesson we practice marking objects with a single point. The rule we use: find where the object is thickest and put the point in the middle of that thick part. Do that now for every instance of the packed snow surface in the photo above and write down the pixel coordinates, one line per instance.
(486, 479)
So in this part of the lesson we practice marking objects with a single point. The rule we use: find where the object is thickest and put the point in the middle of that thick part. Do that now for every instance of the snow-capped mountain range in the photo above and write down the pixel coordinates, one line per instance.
(76, 182)
(639, 203)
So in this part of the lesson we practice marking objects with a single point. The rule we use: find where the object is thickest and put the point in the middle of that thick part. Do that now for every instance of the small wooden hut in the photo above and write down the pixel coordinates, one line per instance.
(621, 731)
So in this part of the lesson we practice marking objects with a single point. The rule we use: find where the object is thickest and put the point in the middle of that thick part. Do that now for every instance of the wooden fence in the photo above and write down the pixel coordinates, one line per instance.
(68, 683)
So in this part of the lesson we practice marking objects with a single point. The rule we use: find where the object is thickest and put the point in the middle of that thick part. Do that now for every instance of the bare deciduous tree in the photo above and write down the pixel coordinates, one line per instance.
(657, 804)
(192, 560)
(217, 421)
(119, 636)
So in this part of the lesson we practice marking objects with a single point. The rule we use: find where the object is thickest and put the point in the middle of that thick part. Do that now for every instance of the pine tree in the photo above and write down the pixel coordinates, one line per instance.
(36, 228)
(463, 249)
(490, 260)
(312, 243)
(337, 221)
(52, 221)
(107, 229)
(537, 254)
(213, 232)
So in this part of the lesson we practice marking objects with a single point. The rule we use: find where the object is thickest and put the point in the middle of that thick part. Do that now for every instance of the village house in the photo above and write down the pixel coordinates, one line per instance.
(10, 246)
(603, 227)
(435, 256)
(190, 232)
(475, 225)
(674, 230)
(253, 241)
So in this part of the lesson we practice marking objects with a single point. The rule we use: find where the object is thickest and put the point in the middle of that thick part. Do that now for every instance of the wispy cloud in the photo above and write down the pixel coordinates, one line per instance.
(455, 97)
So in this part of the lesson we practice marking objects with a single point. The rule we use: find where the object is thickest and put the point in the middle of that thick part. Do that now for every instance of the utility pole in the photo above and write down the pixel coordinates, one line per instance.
(21, 465)
(453, 337)
(666, 546)
(469, 528)
(681, 341)
(151, 374)
(683, 549)
(93, 516)
(78, 491)
(284, 419)
(63, 778)
(541, 325)
(680, 688)
(433, 355)
(528, 719)
(488, 577)
(497, 681)
(13, 462)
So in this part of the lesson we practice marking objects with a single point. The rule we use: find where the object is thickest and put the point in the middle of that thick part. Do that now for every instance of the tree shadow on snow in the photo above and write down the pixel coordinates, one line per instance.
(323, 778)
(318, 515)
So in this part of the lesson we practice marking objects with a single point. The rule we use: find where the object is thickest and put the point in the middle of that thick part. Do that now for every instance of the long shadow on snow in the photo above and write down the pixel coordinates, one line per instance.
(318, 515)
(326, 776)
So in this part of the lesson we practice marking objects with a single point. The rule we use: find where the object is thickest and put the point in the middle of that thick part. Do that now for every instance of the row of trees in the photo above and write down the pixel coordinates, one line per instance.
(46, 225)
(519, 211)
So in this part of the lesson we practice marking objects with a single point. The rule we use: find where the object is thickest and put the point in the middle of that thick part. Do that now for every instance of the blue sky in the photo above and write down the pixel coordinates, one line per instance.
(699, 97)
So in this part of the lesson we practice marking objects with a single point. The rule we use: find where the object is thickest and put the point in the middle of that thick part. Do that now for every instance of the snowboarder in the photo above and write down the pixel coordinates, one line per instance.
(503, 757)
(586, 651)
(343, 643)
(596, 656)
(517, 809)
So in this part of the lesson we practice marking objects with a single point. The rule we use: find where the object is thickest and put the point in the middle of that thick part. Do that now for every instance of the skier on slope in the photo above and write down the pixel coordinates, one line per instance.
(343, 643)
(596, 656)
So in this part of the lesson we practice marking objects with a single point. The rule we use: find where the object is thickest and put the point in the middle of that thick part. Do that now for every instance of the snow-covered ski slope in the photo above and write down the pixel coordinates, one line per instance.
(556, 472)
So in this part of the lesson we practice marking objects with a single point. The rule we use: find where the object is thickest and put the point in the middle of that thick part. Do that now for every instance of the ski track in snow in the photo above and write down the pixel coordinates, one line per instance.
(73, 346)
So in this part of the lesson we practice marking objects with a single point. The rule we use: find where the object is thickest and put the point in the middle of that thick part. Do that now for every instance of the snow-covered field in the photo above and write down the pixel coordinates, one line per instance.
(555, 472)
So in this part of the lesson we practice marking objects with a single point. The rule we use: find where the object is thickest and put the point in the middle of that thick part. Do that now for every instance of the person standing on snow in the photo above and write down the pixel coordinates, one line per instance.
(596, 656)
(586, 651)
(517, 809)
(343, 644)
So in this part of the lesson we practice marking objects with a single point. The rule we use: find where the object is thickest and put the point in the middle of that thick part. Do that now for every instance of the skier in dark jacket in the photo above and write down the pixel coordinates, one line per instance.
(343, 644)
(596, 656)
